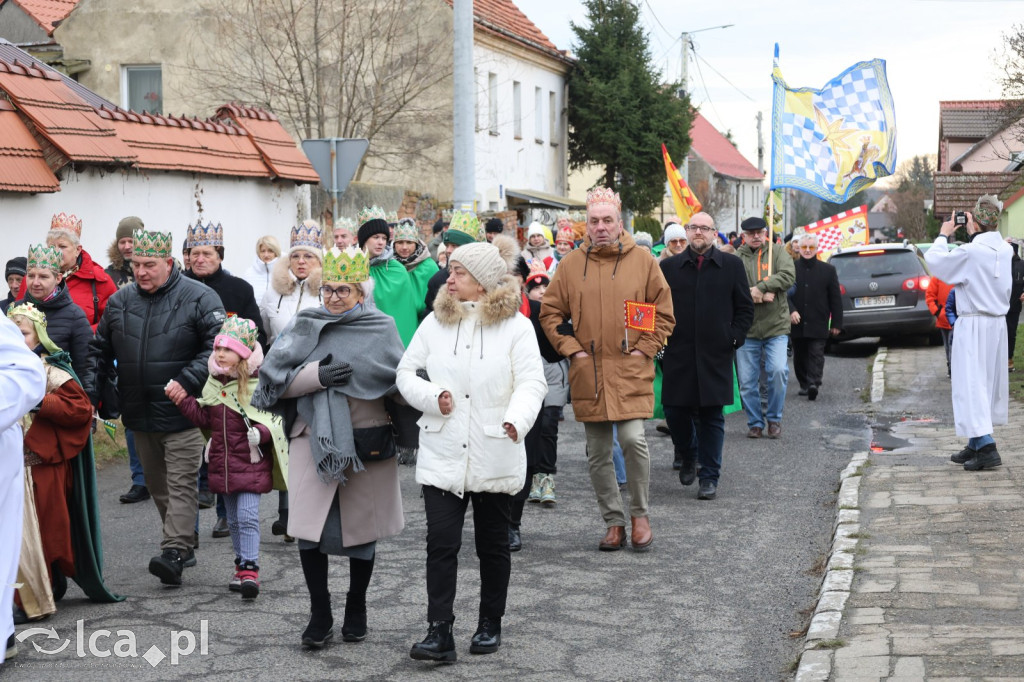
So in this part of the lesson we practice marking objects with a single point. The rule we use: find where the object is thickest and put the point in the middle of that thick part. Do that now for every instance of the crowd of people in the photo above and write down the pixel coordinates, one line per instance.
(331, 363)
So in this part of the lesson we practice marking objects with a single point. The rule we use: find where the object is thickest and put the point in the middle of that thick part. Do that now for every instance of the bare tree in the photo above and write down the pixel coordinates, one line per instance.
(334, 68)
(1011, 61)
(910, 212)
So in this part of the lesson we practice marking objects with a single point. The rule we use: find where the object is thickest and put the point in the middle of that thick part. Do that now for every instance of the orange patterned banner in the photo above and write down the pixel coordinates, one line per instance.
(640, 316)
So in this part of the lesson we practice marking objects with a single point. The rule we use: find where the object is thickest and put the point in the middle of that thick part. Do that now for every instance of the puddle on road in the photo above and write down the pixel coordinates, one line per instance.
(882, 439)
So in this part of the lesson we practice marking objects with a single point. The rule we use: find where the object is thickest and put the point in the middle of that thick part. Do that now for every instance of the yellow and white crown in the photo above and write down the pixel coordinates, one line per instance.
(204, 235)
(465, 222)
(152, 244)
(67, 221)
(349, 266)
(28, 310)
(604, 195)
(371, 213)
(43, 256)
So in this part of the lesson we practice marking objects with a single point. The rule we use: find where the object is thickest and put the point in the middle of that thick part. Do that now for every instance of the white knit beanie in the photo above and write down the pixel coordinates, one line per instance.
(488, 263)
(535, 228)
(643, 238)
(674, 231)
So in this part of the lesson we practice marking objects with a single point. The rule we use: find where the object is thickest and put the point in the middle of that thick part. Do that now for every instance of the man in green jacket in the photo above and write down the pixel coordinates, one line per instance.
(770, 275)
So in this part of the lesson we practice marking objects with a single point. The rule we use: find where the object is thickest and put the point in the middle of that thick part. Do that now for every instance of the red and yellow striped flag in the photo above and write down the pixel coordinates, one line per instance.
(683, 198)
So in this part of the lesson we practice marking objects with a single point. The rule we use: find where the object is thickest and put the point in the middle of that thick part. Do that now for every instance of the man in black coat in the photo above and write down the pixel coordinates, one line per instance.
(160, 329)
(713, 310)
(813, 301)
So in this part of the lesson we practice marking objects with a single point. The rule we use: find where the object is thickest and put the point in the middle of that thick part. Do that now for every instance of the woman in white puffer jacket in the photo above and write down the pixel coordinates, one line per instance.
(484, 389)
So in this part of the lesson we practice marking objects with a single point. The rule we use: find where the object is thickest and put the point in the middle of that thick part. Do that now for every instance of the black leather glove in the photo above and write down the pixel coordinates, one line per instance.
(565, 329)
(334, 373)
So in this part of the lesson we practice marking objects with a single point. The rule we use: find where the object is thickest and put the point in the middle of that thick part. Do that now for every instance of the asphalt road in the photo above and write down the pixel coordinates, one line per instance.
(716, 599)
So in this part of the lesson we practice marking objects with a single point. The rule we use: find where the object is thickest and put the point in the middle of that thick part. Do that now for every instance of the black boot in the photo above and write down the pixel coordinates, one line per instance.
(986, 458)
(321, 621)
(354, 627)
(438, 645)
(487, 637)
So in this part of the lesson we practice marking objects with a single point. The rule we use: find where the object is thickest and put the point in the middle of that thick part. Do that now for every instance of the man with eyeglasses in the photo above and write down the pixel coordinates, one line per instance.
(770, 274)
(815, 313)
(713, 311)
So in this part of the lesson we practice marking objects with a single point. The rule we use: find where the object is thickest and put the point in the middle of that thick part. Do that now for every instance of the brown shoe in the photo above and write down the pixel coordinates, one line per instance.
(640, 536)
(774, 429)
(754, 432)
(614, 539)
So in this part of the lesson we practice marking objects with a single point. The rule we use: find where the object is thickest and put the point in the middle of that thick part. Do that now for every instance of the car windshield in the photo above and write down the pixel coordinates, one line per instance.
(851, 266)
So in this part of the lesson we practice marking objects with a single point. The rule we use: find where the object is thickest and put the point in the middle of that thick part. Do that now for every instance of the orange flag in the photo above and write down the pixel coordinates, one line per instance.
(683, 198)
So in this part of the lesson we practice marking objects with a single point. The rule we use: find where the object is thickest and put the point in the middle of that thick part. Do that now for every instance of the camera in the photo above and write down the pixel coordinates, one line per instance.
(960, 218)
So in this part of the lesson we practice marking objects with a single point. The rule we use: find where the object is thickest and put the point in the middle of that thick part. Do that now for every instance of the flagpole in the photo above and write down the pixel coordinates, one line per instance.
(771, 227)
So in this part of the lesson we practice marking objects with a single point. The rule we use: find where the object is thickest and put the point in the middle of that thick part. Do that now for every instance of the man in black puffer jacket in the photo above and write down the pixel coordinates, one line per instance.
(161, 330)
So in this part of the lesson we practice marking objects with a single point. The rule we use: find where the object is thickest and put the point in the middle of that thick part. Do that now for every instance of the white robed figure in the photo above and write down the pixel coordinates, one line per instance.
(22, 387)
(980, 271)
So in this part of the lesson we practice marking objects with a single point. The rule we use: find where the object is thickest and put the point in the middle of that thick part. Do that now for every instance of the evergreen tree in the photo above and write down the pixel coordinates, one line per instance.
(619, 110)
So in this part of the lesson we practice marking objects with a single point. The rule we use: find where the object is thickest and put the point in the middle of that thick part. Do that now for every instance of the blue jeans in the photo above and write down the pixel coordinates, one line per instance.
(748, 370)
(138, 478)
(698, 434)
(978, 442)
(617, 459)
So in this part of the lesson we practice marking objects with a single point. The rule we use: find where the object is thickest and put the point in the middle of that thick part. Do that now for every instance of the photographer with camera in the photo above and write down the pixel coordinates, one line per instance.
(981, 273)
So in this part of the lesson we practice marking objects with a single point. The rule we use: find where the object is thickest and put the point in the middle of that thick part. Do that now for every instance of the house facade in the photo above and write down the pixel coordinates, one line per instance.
(65, 149)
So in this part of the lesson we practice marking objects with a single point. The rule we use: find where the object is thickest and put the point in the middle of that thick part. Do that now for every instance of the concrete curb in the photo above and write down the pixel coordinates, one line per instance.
(816, 664)
(878, 375)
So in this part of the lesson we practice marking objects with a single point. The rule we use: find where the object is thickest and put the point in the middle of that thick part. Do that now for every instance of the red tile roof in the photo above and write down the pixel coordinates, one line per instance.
(274, 144)
(46, 12)
(503, 18)
(724, 159)
(58, 126)
(22, 166)
(959, 191)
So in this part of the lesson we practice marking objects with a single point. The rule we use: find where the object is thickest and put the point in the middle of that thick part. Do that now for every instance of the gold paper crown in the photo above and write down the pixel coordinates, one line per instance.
(152, 244)
(65, 221)
(208, 235)
(241, 329)
(307, 235)
(406, 231)
(604, 195)
(349, 266)
(46, 257)
(392, 216)
(371, 213)
(465, 222)
(28, 310)
(346, 224)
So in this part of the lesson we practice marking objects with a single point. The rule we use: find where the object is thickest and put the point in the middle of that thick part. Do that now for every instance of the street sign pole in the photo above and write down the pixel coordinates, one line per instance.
(335, 160)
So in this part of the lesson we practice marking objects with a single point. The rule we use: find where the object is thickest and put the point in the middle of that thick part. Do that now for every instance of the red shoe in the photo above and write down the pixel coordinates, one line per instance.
(249, 579)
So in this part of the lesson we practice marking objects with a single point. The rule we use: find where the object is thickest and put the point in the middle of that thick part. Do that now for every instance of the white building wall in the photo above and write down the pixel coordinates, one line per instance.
(534, 160)
(247, 208)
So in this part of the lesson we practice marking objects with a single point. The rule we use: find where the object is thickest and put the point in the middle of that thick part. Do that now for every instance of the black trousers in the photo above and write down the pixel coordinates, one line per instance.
(446, 514)
(542, 442)
(808, 361)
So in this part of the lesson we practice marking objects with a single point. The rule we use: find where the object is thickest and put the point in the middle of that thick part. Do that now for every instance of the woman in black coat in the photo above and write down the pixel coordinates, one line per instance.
(713, 310)
(815, 311)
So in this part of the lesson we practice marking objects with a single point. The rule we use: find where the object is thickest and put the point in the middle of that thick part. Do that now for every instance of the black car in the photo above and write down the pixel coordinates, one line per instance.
(883, 288)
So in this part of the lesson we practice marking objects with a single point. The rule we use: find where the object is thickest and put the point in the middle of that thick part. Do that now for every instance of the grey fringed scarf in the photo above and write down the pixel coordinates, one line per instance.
(363, 337)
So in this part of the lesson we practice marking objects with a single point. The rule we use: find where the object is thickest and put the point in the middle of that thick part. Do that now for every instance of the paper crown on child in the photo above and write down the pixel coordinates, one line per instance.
(407, 231)
(238, 334)
(348, 266)
(604, 195)
(307, 235)
(464, 228)
(29, 310)
(204, 235)
(152, 244)
(346, 224)
(67, 221)
(43, 256)
(566, 234)
(369, 213)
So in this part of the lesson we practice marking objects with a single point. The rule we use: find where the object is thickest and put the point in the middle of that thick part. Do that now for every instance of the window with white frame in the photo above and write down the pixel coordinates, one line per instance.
(492, 103)
(517, 108)
(538, 115)
(142, 88)
(553, 118)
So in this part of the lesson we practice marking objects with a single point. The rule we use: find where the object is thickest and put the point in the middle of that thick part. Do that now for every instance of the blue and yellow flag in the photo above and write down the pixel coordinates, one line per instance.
(835, 141)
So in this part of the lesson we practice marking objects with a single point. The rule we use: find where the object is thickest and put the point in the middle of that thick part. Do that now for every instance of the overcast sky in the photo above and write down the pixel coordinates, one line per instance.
(934, 50)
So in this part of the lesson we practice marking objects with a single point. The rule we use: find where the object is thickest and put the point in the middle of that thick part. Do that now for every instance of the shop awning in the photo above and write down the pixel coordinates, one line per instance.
(529, 197)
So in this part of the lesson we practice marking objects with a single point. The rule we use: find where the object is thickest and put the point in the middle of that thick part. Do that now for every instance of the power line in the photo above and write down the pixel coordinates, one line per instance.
(700, 73)
(721, 76)
(667, 32)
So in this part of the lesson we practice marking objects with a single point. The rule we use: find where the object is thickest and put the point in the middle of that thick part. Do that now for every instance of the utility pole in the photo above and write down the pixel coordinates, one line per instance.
(463, 112)
(684, 76)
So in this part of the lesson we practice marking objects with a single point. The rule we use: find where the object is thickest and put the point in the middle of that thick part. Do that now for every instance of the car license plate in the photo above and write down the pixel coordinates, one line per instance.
(873, 301)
